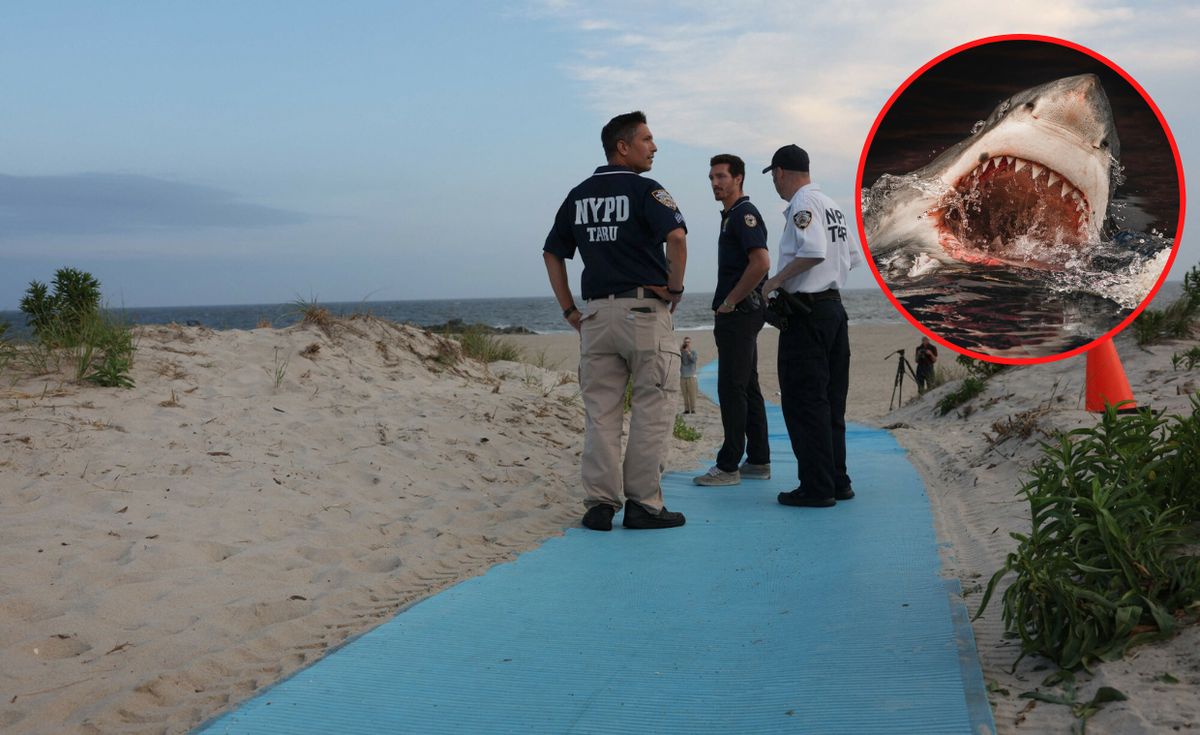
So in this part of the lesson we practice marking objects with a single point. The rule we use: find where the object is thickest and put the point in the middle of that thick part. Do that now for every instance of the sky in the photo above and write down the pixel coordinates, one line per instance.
(260, 152)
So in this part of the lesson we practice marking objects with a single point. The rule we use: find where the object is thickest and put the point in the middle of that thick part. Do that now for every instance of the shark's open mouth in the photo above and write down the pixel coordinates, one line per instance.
(1012, 210)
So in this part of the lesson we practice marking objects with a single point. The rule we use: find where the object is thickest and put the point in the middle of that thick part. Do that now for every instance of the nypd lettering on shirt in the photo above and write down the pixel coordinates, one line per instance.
(595, 210)
(835, 223)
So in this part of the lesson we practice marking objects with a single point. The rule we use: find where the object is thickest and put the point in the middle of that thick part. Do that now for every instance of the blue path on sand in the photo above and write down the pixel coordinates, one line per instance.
(752, 618)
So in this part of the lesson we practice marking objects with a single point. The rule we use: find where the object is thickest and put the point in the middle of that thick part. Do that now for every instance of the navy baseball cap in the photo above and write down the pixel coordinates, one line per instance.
(790, 158)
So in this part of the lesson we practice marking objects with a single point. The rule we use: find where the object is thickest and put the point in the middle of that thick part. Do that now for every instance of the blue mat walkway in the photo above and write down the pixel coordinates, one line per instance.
(752, 618)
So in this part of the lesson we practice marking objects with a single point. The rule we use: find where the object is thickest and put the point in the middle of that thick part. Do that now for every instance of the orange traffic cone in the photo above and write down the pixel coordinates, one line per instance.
(1106, 381)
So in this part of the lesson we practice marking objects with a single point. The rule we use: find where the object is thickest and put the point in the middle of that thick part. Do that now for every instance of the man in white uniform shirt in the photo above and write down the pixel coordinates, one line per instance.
(818, 248)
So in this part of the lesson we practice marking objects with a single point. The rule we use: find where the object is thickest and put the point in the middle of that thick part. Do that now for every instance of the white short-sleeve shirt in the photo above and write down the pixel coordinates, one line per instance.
(816, 227)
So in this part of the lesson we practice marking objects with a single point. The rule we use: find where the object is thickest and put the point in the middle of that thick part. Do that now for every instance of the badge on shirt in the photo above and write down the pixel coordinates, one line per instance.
(751, 220)
(802, 218)
(664, 198)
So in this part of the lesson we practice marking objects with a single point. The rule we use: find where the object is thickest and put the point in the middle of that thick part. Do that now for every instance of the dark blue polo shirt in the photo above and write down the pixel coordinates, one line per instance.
(618, 221)
(742, 230)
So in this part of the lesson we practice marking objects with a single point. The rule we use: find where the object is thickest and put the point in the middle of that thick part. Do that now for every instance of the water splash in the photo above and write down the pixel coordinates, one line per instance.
(1053, 294)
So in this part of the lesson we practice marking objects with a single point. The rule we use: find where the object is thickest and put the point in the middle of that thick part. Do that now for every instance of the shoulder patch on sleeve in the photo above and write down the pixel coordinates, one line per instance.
(751, 220)
(802, 218)
(664, 198)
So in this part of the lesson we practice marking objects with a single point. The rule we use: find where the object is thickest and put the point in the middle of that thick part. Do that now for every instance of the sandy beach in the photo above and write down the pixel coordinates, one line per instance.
(260, 496)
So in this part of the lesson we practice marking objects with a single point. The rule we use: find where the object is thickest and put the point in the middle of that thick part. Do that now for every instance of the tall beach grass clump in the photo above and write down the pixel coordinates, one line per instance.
(1110, 559)
(68, 324)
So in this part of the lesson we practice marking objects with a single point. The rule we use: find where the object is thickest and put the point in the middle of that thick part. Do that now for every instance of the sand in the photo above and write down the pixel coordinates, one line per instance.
(262, 495)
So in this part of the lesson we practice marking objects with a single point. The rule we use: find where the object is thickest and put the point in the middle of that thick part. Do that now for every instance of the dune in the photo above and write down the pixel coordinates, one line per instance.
(261, 496)
(974, 460)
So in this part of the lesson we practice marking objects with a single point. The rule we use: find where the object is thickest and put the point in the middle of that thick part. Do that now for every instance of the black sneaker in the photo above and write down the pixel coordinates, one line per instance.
(843, 494)
(636, 516)
(599, 517)
(799, 499)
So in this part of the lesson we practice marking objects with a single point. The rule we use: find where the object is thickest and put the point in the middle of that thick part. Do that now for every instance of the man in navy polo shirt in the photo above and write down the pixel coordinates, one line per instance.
(742, 265)
(618, 221)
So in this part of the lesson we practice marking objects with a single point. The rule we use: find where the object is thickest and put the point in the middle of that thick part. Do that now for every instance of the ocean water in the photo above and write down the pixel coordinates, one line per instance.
(540, 314)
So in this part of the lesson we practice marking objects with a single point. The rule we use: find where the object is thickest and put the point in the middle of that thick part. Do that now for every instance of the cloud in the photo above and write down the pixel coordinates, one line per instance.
(762, 73)
(107, 204)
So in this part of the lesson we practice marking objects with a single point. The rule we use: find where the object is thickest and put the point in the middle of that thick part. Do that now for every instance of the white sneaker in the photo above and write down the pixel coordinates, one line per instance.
(755, 471)
(716, 476)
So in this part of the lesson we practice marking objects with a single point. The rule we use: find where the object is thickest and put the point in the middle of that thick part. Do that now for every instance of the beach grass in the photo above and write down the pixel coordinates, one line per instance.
(1186, 360)
(480, 345)
(943, 374)
(977, 374)
(540, 359)
(280, 369)
(968, 389)
(311, 312)
(7, 350)
(1177, 321)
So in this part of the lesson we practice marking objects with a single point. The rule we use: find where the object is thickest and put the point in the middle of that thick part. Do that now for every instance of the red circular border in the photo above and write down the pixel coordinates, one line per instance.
(862, 161)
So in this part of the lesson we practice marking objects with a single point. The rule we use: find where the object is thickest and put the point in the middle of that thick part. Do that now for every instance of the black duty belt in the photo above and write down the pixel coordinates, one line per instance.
(633, 293)
(809, 298)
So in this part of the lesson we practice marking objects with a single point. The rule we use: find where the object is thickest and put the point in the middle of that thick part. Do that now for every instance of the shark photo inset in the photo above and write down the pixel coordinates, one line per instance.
(1020, 199)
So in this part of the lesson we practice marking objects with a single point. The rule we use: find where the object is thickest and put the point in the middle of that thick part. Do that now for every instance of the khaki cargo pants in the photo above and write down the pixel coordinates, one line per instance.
(620, 339)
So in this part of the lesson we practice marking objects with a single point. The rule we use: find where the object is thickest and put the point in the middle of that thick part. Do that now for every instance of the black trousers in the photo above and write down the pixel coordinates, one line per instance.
(743, 415)
(814, 377)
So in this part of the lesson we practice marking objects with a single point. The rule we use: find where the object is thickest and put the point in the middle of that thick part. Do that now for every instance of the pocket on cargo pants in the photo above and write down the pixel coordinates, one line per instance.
(668, 364)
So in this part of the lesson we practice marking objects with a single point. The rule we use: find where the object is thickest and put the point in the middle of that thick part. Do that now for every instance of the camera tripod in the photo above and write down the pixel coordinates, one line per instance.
(898, 386)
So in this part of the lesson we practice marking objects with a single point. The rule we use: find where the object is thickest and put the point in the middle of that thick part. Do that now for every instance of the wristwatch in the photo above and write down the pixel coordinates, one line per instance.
(673, 292)
(567, 312)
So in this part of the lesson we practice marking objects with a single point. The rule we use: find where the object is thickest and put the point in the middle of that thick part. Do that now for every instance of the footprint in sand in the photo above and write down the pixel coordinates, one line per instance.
(56, 647)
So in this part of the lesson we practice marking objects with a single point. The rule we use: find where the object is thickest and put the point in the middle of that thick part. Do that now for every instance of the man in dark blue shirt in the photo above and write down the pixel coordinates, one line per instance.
(743, 261)
(618, 220)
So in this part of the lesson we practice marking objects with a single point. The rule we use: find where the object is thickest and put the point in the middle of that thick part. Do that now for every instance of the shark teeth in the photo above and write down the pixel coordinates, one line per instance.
(1043, 177)
(1015, 164)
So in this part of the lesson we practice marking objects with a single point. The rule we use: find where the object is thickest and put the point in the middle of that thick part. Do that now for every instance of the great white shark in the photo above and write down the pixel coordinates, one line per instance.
(1029, 186)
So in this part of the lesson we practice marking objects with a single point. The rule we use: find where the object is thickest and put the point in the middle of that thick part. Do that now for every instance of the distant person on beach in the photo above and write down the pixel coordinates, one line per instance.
(926, 356)
(816, 250)
(618, 220)
(687, 375)
(743, 262)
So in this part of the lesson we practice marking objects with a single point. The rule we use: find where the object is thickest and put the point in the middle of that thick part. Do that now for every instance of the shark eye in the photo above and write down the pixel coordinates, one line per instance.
(1104, 143)
(1028, 106)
